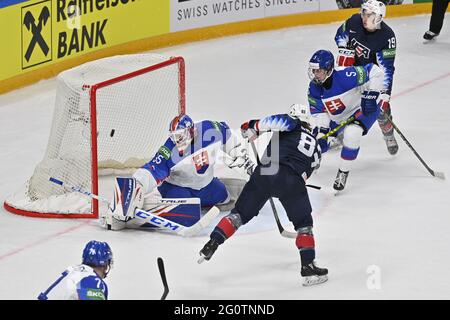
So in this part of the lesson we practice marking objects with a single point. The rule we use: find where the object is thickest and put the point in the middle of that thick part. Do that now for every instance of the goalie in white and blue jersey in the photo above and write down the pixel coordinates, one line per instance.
(335, 96)
(84, 281)
(182, 168)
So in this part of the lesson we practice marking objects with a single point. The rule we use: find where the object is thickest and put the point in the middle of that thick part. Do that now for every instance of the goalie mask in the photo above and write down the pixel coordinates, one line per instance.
(182, 131)
(321, 66)
(372, 13)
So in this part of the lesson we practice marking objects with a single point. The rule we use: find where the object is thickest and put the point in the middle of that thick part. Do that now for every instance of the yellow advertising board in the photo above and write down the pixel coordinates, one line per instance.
(38, 33)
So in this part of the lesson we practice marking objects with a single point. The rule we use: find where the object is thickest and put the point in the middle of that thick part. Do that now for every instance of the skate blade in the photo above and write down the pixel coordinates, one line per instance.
(429, 41)
(313, 280)
(201, 259)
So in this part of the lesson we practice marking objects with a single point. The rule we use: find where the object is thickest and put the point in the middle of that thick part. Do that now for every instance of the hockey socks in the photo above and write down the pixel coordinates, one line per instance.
(226, 227)
(305, 244)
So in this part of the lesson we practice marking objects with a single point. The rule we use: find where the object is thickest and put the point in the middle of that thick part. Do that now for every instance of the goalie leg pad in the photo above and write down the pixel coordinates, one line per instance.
(184, 211)
(214, 193)
(127, 197)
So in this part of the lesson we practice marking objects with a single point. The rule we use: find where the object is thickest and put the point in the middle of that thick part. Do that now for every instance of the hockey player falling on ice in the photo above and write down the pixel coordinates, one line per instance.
(84, 281)
(182, 168)
(337, 95)
(281, 175)
(365, 38)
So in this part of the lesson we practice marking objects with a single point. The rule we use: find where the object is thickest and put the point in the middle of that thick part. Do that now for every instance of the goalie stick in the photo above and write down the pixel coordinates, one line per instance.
(163, 278)
(283, 232)
(151, 218)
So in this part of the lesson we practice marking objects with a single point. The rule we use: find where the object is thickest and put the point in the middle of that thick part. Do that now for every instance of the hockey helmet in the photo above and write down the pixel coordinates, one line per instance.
(321, 66)
(301, 112)
(181, 131)
(372, 13)
(97, 254)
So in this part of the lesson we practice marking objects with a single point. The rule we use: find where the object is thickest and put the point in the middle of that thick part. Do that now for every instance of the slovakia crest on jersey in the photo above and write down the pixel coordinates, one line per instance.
(335, 106)
(201, 161)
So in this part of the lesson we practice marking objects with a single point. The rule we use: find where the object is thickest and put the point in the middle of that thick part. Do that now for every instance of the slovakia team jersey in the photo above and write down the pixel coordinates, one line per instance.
(343, 98)
(297, 148)
(79, 282)
(194, 168)
(376, 47)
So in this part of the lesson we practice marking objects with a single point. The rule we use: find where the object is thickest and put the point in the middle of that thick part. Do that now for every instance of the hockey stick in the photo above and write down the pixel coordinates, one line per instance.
(163, 278)
(435, 174)
(151, 218)
(343, 124)
(283, 232)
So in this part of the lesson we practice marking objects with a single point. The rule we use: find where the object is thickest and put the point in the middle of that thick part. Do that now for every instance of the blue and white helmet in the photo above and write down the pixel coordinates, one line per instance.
(97, 254)
(181, 131)
(321, 66)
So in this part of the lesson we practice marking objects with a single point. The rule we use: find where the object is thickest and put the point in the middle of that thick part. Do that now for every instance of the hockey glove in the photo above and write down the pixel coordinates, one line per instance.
(319, 132)
(345, 57)
(238, 158)
(369, 102)
(384, 102)
(249, 130)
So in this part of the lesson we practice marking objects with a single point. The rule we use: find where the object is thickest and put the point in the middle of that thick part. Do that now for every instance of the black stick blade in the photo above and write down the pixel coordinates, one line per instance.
(163, 278)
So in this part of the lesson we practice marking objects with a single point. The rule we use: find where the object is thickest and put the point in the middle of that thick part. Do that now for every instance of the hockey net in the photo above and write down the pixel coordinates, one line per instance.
(110, 117)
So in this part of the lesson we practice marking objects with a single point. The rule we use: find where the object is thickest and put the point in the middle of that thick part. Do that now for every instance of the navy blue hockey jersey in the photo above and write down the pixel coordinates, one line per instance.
(376, 47)
(297, 148)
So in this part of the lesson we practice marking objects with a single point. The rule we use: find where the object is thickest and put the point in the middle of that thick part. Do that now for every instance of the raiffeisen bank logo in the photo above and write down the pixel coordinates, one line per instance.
(36, 34)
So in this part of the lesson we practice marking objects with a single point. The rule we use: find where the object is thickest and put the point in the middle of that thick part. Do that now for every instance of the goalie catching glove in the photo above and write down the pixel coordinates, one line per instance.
(238, 158)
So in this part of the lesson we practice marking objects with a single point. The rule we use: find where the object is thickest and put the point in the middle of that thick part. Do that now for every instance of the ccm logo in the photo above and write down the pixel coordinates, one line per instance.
(163, 223)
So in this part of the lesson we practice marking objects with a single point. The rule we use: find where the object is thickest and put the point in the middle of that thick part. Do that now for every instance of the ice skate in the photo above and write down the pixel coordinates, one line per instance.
(312, 274)
(341, 180)
(208, 250)
(391, 144)
(429, 37)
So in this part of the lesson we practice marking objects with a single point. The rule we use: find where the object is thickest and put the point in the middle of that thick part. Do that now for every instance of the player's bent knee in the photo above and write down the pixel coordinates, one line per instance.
(352, 136)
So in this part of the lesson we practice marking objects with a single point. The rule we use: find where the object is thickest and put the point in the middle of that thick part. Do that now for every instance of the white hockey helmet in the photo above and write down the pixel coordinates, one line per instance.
(301, 112)
(372, 14)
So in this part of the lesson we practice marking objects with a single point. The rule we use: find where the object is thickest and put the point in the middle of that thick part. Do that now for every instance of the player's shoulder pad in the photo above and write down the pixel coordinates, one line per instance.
(314, 90)
(211, 124)
(359, 74)
(354, 20)
(387, 31)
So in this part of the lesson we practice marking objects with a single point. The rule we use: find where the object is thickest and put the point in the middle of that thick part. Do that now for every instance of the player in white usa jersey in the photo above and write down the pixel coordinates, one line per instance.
(337, 95)
(84, 281)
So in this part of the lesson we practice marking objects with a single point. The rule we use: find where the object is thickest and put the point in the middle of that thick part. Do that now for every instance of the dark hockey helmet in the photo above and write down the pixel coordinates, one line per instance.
(321, 66)
(97, 254)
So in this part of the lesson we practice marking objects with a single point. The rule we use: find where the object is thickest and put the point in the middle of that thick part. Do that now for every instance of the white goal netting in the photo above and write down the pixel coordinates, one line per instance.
(110, 116)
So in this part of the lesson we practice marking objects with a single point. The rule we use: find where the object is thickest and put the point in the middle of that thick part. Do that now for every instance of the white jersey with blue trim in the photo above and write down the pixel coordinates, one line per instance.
(78, 282)
(193, 168)
(342, 98)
